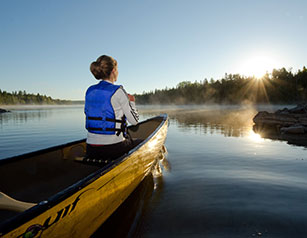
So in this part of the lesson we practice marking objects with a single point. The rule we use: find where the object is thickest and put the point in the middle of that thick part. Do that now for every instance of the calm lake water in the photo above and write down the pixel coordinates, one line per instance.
(221, 180)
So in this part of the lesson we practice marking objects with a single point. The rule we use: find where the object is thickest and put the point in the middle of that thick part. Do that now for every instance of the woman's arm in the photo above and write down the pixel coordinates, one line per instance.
(128, 106)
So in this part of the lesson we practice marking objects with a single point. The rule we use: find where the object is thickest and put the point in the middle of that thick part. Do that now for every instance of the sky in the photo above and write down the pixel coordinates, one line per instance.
(46, 47)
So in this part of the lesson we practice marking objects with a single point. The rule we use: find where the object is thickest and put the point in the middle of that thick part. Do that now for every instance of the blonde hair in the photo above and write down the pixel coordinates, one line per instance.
(103, 66)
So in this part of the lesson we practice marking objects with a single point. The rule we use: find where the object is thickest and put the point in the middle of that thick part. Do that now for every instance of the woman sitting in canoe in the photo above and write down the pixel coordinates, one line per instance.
(108, 108)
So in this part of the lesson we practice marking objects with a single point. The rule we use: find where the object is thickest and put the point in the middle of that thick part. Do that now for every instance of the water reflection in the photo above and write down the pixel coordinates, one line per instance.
(274, 134)
(20, 117)
(130, 216)
(228, 122)
(25, 130)
(226, 180)
(255, 137)
(128, 219)
(24, 114)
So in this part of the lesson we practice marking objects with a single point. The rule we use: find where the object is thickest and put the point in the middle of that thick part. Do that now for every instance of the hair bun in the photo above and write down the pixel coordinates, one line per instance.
(102, 67)
(95, 69)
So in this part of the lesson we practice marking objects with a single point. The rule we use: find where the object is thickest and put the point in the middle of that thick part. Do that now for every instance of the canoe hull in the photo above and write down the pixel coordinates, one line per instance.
(81, 214)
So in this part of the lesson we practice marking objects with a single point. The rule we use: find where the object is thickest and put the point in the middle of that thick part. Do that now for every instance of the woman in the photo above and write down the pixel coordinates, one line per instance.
(107, 109)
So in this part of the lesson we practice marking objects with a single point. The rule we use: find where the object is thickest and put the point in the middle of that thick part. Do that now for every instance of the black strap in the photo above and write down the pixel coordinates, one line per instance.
(115, 120)
(95, 118)
(107, 119)
(123, 126)
(107, 129)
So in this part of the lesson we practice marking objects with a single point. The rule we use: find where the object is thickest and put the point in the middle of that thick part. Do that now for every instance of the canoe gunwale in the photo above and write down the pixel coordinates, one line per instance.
(12, 223)
(38, 152)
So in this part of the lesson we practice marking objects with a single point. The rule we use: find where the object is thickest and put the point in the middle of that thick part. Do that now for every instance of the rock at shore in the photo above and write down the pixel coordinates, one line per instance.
(283, 118)
(285, 124)
(3, 110)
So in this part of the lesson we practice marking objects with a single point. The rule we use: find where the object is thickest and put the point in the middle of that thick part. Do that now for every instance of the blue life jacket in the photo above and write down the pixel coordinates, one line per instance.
(100, 116)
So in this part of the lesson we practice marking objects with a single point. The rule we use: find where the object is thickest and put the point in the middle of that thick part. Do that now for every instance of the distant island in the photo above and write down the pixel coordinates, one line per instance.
(279, 87)
(24, 98)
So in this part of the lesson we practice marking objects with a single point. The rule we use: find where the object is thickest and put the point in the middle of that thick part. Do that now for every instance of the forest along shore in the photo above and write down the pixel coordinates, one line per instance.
(24, 98)
(279, 87)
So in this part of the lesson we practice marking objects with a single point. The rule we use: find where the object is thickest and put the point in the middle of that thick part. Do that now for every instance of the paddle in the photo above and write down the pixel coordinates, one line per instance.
(8, 203)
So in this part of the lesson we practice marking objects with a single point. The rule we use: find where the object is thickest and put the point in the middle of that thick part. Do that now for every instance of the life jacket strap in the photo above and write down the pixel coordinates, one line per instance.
(123, 125)
(107, 129)
(107, 119)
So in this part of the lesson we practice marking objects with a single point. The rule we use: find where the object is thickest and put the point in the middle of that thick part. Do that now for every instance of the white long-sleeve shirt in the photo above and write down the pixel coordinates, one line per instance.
(122, 106)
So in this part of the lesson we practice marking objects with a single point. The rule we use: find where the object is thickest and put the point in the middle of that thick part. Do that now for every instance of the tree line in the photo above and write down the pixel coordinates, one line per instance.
(280, 86)
(22, 97)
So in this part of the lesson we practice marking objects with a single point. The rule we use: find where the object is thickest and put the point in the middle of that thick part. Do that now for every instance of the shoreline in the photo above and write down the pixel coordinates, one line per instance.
(157, 107)
(3, 110)
(37, 106)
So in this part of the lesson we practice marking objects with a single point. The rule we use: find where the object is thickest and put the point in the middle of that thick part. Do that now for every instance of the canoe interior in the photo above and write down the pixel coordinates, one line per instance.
(35, 177)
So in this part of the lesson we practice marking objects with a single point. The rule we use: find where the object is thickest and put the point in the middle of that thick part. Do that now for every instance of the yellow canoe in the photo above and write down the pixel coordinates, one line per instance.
(73, 199)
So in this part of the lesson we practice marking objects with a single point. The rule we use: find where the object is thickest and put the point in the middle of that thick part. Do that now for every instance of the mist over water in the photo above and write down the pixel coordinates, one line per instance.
(224, 180)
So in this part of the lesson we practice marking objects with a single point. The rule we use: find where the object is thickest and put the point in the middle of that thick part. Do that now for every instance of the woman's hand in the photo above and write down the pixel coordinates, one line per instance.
(131, 98)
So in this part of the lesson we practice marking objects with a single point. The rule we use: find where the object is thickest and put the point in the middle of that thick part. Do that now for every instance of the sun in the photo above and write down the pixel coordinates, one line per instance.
(258, 65)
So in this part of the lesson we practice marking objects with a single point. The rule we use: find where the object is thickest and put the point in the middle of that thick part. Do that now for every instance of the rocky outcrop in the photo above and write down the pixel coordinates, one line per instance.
(285, 124)
(3, 110)
(286, 120)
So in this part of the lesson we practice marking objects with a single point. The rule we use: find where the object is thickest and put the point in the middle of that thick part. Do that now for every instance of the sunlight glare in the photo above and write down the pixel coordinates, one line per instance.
(255, 137)
(258, 66)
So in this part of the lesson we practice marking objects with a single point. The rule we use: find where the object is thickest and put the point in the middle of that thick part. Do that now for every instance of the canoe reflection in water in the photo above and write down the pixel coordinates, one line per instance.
(128, 219)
